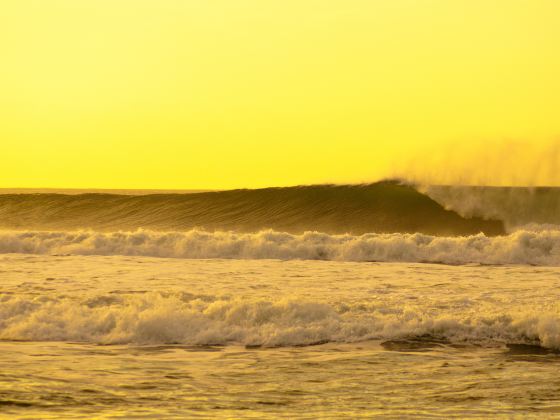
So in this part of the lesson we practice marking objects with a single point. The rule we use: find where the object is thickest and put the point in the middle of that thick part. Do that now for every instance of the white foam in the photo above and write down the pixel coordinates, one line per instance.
(155, 318)
(536, 247)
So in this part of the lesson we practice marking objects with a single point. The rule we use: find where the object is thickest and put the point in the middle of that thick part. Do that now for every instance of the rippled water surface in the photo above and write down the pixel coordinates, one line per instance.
(137, 337)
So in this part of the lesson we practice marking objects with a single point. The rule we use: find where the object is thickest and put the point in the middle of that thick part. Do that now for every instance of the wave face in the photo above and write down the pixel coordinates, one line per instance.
(384, 207)
(520, 247)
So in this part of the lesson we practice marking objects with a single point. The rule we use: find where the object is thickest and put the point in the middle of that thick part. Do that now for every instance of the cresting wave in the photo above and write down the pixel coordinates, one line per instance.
(384, 207)
(521, 247)
(514, 206)
(181, 318)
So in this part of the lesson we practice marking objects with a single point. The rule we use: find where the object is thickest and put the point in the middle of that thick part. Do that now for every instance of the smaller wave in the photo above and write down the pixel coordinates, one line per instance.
(157, 318)
(536, 247)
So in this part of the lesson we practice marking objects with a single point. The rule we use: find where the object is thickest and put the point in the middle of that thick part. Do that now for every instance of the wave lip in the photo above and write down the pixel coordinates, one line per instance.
(520, 247)
(383, 207)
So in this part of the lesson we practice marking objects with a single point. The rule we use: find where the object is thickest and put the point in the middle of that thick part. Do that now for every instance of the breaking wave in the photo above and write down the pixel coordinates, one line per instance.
(384, 207)
(181, 318)
(538, 247)
(516, 207)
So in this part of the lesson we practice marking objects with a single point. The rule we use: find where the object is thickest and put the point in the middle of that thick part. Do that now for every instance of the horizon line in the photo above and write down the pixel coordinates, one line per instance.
(132, 191)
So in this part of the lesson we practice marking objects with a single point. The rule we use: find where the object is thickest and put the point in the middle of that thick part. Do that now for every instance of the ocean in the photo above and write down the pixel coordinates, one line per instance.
(310, 302)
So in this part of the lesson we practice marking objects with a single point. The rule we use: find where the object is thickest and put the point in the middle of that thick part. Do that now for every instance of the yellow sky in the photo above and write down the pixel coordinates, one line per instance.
(251, 93)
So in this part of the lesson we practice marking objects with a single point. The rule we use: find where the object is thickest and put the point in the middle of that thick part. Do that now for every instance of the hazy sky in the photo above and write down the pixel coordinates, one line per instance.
(239, 93)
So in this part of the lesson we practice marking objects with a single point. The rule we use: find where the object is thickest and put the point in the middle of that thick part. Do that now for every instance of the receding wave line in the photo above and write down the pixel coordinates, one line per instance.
(384, 207)
(521, 247)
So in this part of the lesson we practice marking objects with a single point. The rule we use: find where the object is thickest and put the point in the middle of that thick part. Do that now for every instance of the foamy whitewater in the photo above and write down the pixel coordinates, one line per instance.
(116, 300)
(536, 247)
(97, 320)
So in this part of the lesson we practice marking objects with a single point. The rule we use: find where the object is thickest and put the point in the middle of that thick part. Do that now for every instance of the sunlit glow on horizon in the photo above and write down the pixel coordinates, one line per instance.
(225, 94)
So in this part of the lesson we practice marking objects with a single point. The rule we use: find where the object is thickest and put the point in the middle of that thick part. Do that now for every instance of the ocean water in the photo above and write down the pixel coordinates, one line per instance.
(307, 302)
(136, 337)
(383, 207)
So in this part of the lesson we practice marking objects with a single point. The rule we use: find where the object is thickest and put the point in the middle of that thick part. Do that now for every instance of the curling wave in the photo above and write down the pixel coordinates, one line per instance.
(521, 247)
(383, 207)
(516, 207)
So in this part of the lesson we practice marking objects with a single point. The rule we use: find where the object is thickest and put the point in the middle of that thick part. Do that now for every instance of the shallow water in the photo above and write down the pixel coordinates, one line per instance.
(95, 336)
(330, 380)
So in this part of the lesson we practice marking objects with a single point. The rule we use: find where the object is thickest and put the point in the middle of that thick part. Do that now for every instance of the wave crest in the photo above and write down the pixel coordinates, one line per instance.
(383, 207)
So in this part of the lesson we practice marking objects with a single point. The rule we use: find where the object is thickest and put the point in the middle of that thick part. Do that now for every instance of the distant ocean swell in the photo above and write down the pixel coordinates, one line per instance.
(538, 247)
(159, 318)
(384, 207)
